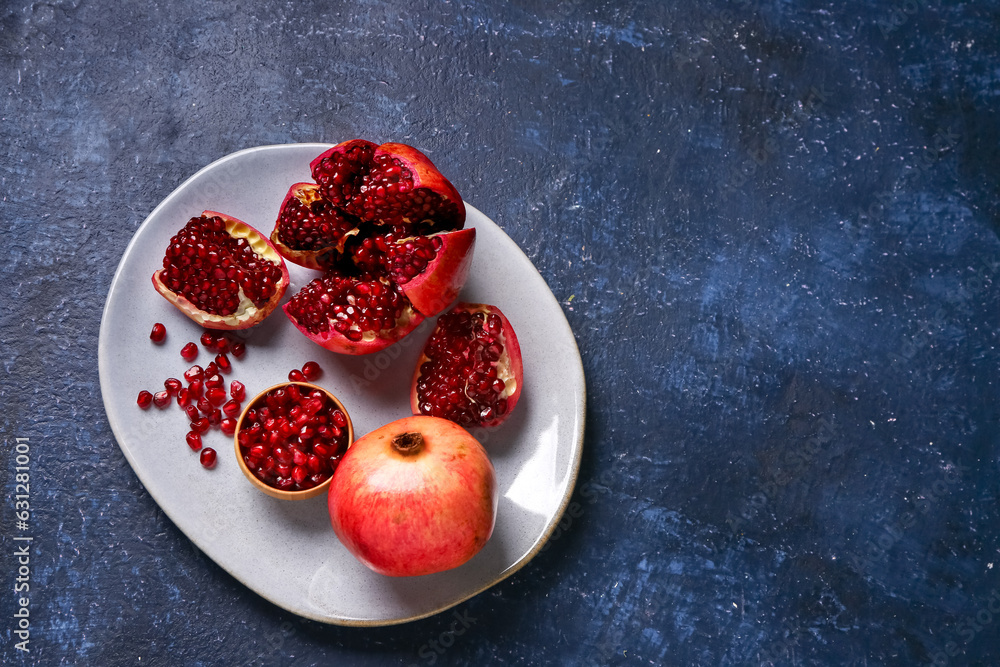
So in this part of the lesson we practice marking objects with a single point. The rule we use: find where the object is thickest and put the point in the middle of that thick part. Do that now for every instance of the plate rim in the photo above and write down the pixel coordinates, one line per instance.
(104, 372)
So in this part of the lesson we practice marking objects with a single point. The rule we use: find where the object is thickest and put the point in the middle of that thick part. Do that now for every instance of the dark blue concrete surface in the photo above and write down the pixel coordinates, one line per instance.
(774, 229)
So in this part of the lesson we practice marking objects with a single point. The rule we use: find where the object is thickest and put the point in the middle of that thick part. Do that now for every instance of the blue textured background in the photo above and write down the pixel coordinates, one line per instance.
(774, 229)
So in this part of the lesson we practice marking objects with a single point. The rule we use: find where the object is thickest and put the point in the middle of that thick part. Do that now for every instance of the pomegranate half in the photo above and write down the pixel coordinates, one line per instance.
(414, 497)
(222, 273)
(470, 370)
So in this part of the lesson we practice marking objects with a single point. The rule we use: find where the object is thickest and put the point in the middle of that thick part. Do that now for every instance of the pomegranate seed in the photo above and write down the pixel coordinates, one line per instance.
(238, 349)
(208, 457)
(211, 369)
(197, 388)
(214, 417)
(215, 382)
(158, 334)
(192, 412)
(145, 399)
(237, 390)
(183, 397)
(216, 395)
(209, 341)
(222, 345)
(222, 361)
(204, 405)
(194, 373)
(189, 352)
(194, 440)
(161, 399)
(200, 425)
(228, 426)
(296, 375)
(231, 407)
(172, 385)
(311, 370)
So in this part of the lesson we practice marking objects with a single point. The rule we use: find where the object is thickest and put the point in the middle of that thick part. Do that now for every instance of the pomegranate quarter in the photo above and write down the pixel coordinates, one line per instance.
(222, 273)
(471, 370)
(414, 497)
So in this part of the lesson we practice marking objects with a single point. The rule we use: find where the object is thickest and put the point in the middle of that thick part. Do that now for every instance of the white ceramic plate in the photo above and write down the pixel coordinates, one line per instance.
(286, 551)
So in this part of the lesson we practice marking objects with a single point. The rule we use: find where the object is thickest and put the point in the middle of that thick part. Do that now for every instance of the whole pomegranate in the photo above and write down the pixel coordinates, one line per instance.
(386, 227)
(471, 370)
(222, 273)
(416, 496)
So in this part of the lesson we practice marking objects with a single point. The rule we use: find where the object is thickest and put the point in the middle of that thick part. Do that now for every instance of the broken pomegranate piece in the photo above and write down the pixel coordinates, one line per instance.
(222, 273)
(383, 217)
(310, 230)
(471, 370)
(340, 171)
(351, 315)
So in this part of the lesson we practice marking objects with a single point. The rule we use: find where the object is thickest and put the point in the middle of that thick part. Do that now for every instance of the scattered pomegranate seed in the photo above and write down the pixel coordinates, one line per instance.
(311, 370)
(208, 340)
(215, 382)
(216, 395)
(161, 399)
(192, 412)
(204, 405)
(158, 334)
(231, 408)
(144, 400)
(194, 373)
(197, 388)
(200, 425)
(238, 349)
(211, 369)
(222, 361)
(296, 375)
(222, 345)
(183, 397)
(208, 457)
(228, 426)
(172, 385)
(237, 390)
(214, 417)
(193, 440)
(189, 352)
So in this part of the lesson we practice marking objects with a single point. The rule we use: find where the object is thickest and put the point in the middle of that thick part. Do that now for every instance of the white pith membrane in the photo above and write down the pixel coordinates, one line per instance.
(504, 370)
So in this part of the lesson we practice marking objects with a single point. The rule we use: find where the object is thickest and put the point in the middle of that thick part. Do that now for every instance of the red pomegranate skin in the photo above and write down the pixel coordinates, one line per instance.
(408, 515)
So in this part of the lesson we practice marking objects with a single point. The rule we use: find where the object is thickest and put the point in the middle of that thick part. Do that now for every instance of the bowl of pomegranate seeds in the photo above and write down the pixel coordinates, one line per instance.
(290, 438)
